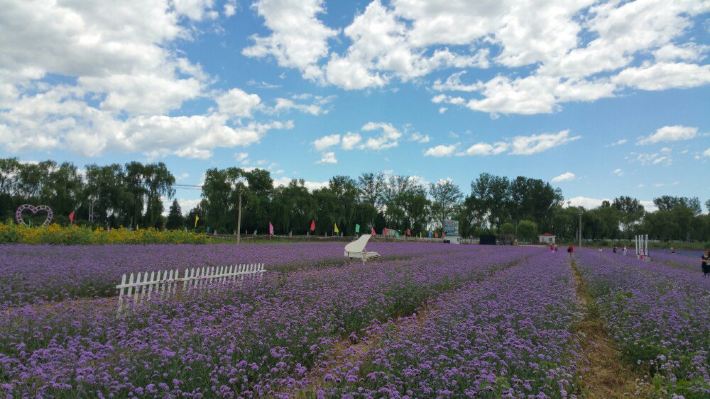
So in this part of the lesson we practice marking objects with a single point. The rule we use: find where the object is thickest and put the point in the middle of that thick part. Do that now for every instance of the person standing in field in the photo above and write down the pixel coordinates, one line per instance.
(570, 250)
(624, 250)
(706, 263)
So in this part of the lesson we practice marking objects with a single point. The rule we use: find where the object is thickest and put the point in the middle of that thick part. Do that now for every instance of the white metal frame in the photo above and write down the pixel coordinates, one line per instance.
(641, 246)
(136, 288)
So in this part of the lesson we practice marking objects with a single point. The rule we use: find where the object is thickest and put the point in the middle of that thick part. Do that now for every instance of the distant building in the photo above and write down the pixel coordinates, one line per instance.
(451, 231)
(546, 238)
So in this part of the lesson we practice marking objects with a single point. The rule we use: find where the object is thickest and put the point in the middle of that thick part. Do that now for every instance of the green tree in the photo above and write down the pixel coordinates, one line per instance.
(527, 230)
(535, 200)
(106, 194)
(32, 178)
(218, 201)
(445, 200)
(601, 222)
(507, 229)
(293, 208)
(489, 200)
(667, 203)
(158, 181)
(133, 180)
(9, 170)
(63, 191)
(630, 212)
(346, 195)
(175, 219)
(371, 188)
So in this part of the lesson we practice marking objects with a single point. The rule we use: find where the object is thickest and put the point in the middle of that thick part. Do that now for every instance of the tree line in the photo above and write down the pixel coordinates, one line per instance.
(133, 194)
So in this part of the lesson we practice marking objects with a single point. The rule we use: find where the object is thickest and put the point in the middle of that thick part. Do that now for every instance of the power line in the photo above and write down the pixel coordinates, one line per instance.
(188, 186)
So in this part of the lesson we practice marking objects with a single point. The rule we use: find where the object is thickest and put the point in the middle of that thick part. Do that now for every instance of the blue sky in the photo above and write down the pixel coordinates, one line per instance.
(601, 98)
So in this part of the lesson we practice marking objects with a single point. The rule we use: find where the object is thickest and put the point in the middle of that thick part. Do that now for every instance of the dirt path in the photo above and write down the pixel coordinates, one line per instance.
(602, 372)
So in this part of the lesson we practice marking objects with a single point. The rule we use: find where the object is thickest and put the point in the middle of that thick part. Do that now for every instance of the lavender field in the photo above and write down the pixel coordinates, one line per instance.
(681, 259)
(424, 321)
(659, 315)
(31, 273)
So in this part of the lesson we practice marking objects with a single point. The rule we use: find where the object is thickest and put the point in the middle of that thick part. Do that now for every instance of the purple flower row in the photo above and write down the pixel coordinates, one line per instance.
(684, 259)
(33, 273)
(659, 315)
(506, 336)
(258, 340)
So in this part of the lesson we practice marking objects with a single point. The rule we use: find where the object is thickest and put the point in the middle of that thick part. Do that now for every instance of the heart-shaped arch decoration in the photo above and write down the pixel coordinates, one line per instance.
(34, 209)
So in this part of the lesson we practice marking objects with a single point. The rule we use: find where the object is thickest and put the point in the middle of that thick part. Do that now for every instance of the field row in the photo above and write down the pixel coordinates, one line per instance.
(439, 321)
(32, 273)
(254, 341)
(505, 336)
(658, 315)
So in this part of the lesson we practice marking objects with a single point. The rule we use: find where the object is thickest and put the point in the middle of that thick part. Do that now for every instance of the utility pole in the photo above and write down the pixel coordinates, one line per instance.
(239, 218)
(239, 185)
(580, 228)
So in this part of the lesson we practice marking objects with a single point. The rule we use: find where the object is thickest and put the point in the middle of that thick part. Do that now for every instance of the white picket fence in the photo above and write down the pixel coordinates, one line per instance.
(134, 289)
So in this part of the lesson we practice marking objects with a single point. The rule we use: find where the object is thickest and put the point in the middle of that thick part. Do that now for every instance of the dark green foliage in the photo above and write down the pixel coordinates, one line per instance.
(131, 195)
(175, 219)
(527, 230)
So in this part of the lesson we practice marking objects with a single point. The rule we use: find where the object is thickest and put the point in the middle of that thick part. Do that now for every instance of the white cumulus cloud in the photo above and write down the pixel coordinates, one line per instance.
(298, 38)
(670, 133)
(488, 149)
(387, 139)
(123, 81)
(326, 141)
(536, 143)
(567, 176)
(328, 158)
(351, 140)
(237, 102)
(440, 151)
(523, 145)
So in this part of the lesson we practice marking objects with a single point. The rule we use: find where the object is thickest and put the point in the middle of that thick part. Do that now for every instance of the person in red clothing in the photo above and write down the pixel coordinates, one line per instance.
(570, 249)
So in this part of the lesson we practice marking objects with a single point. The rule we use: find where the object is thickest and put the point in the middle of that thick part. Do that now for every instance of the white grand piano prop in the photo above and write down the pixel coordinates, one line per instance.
(356, 249)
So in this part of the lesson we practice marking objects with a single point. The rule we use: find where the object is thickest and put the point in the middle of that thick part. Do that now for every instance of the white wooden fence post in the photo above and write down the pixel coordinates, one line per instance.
(130, 288)
(134, 288)
(120, 291)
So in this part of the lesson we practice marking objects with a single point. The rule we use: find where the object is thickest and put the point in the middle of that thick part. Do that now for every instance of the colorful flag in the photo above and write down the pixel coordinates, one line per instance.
(335, 228)
(197, 218)
(436, 234)
(313, 225)
(357, 228)
(271, 229)
(408, 232)
(384, 231)
(372, 231)
(71, 217)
